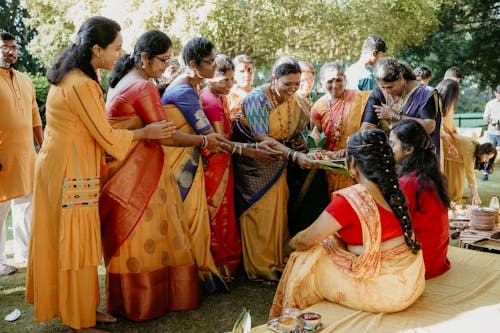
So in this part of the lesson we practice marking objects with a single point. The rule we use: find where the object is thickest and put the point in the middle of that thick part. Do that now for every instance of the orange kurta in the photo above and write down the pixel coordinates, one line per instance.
(18, 117)
(65, 244)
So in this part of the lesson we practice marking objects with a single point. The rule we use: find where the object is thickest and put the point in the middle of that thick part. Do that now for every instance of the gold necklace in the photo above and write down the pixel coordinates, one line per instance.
(398, 105)
(289, 125)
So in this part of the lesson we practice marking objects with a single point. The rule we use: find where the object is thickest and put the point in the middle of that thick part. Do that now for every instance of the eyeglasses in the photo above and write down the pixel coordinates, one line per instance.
(7, 48)
(209, 62)
(165, 61)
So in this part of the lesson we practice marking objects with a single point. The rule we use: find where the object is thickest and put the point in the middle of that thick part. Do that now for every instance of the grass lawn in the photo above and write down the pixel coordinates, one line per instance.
(217, 313)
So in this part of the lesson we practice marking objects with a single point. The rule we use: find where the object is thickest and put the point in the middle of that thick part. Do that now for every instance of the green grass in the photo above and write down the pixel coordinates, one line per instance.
(217, 313)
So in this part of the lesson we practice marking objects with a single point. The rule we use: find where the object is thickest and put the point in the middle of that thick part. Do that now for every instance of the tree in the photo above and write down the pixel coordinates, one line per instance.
(314, 30)
(469, 37)
(12, 20)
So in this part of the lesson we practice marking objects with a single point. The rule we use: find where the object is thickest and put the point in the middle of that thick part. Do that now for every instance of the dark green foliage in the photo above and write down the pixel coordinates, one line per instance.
(12, 20)
(469, 38)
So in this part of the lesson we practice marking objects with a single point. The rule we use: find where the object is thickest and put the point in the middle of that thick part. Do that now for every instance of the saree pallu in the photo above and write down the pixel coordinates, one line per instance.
(339, 120)
(186, 165)
(148, 258)
(261, 195)
(374, 281)
(225, 240)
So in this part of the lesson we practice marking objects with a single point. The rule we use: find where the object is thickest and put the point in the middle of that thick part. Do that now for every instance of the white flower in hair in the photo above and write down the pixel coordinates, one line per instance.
(76, 39)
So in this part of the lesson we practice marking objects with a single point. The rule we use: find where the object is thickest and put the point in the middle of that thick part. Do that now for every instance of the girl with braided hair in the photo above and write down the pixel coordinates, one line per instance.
(425, 188)
(361, 251)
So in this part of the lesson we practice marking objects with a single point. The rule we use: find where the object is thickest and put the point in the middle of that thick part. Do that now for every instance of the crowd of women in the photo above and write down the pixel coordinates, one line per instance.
(180, 190)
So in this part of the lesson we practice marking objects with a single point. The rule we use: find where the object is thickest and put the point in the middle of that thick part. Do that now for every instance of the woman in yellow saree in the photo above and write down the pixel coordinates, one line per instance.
(270, 112)
(182, 107)
(361, 251)
(338, 114)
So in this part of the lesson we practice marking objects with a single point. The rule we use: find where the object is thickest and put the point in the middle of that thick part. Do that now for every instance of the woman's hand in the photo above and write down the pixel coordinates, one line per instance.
(264, 151)
(217, 143)
(453, 151)
(384, 111)
(476, 201)
(305, 162)
(159, 130)
(299, 145)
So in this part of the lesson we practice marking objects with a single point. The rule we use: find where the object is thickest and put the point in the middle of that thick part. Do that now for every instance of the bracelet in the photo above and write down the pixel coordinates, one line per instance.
(289, 154)
(257, 145)
(204, 141)
(396, 116)
(295, 156)
(234, 148)
(239, 149)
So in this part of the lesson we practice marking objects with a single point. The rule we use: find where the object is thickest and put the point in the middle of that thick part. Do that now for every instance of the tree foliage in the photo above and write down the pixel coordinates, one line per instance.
(313, 30)
(12, 20)
(469, 37)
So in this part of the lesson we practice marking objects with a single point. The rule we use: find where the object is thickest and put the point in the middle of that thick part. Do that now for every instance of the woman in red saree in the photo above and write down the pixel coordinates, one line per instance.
(150, 267)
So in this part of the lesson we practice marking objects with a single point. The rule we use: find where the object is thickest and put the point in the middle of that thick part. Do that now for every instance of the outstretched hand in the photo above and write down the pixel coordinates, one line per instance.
(217, 143)
(265, 152)
(159, 130)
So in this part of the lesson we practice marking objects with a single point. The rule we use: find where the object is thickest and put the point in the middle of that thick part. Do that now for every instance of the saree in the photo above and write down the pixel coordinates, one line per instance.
(339, 120)
(187, 167)
(375, 281)
(225, 240)
(149, 265)
(261, 192)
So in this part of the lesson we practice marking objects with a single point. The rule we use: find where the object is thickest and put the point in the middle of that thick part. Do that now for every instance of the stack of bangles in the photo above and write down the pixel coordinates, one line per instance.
(292, 155)
(396, 116)
(237, 149)
(204, 141)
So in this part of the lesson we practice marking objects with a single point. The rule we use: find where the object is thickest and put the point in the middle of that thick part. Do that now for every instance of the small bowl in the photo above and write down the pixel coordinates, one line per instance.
(288, 324)
(291, 312)
(310, 319)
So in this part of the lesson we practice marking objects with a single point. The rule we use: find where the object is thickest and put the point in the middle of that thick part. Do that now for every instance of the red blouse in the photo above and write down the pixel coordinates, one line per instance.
(430, 223)
(351, 232)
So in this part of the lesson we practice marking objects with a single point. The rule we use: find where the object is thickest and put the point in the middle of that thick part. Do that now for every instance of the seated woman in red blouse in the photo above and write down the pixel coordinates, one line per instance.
(361, 251)
(425, 188)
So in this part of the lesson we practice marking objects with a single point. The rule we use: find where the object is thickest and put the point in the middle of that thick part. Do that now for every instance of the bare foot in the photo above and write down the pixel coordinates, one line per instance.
(103, 317)
(86, 330)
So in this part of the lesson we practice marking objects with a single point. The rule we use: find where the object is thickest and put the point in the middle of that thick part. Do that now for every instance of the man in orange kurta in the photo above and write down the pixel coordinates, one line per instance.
(19, 123)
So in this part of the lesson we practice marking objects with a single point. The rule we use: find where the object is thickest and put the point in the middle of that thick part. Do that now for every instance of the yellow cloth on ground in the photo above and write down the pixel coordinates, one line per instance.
(65, 244)
(18, 117)
(466, 298)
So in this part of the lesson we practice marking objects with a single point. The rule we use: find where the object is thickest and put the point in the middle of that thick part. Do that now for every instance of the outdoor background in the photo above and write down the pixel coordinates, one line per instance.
(435, 33)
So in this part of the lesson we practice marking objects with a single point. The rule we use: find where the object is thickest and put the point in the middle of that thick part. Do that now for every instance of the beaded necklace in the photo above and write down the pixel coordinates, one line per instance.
(336, 122)
(398, 105)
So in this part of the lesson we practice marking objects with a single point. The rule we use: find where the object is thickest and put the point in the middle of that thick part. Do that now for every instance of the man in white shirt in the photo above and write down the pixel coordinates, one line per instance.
(492, 118)
(360, 74)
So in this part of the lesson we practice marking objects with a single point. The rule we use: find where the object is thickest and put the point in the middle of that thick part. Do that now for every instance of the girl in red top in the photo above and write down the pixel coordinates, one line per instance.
(425, 188)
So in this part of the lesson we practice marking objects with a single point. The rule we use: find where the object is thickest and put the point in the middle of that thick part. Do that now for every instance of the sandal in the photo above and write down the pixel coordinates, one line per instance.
(7, 269)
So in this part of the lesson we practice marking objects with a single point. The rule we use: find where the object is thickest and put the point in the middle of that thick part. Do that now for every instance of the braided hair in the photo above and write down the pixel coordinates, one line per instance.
(375, 160)
(423, 158)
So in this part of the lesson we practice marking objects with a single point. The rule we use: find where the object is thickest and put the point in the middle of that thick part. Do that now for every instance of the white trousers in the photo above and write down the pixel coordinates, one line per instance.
(21, 224)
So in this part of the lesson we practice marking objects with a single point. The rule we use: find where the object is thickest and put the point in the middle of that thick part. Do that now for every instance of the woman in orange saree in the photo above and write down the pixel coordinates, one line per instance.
(149, 262)
(361, 251)
(338, 114)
